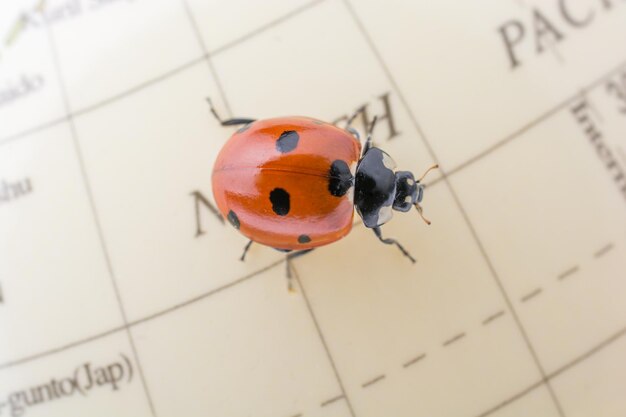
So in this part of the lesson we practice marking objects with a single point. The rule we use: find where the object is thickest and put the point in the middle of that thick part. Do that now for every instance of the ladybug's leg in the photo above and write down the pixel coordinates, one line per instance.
(350, 129)
(288, 259)
(245, 250)
(368, 142)
(388, 241)
(354, 133)
(228, 122)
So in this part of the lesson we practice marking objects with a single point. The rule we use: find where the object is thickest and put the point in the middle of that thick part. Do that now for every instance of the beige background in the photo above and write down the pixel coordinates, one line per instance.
(515, 307)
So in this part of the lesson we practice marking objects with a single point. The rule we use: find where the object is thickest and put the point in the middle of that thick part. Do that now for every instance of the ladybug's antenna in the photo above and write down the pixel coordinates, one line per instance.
(419, 210)
(435, 166)
(417, 206)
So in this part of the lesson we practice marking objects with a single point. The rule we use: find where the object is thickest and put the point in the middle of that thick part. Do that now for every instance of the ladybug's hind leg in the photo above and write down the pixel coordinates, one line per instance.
(245, 250)
(228, 122)
(388, 241)
(288, 260)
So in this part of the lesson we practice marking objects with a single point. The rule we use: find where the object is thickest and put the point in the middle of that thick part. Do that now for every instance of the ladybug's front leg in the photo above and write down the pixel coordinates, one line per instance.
(288, 259)
(352, 130)
(228, 122)
(368, 141)
(389, 241)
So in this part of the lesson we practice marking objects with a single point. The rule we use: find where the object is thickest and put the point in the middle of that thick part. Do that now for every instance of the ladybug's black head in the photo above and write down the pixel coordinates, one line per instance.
(379, 188)
(408, 191)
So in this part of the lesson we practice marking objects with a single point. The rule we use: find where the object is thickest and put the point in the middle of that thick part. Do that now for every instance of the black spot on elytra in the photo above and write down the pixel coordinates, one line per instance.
(233, 219)
(280, 201)
(304, 239)
(340, 178)
(287, 141)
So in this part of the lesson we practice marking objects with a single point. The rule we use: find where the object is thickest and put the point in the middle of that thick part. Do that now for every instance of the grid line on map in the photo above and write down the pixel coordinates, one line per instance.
(207, 58)
(318, 328)
(469, 162)
(139, 321)
(192, 63)
(461, 208)
(554, 374)
(215, 75)
(509, 400)
(535, 121)
(94, 211)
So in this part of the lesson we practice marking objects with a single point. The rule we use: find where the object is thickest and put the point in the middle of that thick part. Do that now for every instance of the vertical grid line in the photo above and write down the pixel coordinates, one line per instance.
(94, 211)
(322, 339)
(214, 74)
(207, 56)
(457, 201)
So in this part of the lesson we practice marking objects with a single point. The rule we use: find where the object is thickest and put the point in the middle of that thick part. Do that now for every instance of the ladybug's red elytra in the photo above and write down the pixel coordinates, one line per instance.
(292, 183)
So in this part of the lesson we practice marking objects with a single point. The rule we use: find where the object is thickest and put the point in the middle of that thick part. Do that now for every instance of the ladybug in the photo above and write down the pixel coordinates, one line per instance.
(292, 183)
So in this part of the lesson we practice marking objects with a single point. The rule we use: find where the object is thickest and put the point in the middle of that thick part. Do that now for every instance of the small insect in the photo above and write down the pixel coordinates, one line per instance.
(292, 183)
